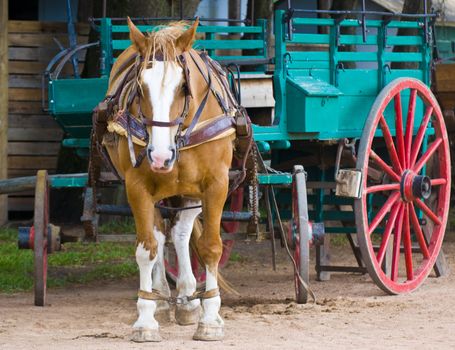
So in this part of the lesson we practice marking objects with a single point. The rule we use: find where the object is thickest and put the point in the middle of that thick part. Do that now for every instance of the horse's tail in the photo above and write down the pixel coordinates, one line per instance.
(197, 232)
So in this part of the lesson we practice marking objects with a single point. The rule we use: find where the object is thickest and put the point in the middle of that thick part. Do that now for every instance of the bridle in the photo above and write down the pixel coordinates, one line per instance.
(181, 140)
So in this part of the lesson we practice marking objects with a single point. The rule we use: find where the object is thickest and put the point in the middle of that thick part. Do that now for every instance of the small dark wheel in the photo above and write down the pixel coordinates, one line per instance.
(40, 230)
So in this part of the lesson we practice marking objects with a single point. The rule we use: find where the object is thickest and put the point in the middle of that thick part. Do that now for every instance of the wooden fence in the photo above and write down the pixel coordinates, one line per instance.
(33, 136)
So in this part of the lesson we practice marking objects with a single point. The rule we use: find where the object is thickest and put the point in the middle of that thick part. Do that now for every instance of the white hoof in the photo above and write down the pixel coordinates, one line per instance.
(142, 335)
(209, 332)
(186, 317)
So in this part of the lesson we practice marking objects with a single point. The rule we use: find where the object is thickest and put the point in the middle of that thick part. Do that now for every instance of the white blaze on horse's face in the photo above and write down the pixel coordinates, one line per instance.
(161, 81)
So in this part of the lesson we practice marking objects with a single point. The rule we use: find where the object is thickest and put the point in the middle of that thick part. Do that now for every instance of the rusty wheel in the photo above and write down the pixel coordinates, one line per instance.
(40, 228)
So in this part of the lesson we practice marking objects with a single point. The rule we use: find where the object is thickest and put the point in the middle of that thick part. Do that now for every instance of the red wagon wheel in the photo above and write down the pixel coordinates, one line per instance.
(170, 260)
(40, 229)
(405, 161)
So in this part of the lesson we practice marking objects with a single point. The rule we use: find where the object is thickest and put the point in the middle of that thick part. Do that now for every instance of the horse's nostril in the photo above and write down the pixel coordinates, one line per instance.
(167, 162)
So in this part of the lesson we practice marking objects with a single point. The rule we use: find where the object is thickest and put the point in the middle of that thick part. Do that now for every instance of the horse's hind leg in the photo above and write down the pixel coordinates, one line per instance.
(185, 314)
(146, 328)
(210, 248)
(162, 312)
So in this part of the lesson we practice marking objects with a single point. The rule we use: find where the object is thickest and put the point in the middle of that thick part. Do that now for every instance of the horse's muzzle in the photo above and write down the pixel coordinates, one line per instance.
(161, 162)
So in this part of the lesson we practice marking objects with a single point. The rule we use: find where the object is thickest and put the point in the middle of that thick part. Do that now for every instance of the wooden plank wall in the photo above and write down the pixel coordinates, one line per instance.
(3, 104)
(33, 136)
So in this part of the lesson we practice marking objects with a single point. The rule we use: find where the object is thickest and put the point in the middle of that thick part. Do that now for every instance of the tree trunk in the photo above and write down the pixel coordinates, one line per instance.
(409, 6)
(346, 5)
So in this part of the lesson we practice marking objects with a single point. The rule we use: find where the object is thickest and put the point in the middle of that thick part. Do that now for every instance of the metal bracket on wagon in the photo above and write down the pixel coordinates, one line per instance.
(348, 183)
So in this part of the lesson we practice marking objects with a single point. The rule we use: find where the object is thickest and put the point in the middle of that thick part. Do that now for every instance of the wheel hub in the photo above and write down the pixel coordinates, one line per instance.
(414, 186)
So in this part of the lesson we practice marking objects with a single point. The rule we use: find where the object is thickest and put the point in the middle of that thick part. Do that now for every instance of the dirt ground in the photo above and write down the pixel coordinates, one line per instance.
(351, 312)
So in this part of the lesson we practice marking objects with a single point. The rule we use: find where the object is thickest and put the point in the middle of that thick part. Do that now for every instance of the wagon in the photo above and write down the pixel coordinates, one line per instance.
(351, 145)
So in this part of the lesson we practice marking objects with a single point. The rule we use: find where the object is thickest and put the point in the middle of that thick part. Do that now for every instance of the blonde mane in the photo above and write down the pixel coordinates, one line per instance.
(162, 40)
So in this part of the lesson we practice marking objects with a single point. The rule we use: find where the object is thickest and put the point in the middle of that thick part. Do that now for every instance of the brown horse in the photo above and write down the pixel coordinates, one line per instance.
(179, 97)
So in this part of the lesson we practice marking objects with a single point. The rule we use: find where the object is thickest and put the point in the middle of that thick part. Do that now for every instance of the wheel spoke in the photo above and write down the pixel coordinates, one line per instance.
(427, 155)
(418, 232)
(420, 134)
(438, 182)
(399, 127)
(397, 244)
(383, 188)
(407, 245)
(410, 126)
(433, 217)
(390, 145)
(383, 211)
(387, 232)
(384, 166)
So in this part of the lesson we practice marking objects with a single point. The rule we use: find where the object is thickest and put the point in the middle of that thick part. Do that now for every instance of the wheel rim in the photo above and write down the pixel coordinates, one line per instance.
(294, 238)
(396, 212)
(40, 227)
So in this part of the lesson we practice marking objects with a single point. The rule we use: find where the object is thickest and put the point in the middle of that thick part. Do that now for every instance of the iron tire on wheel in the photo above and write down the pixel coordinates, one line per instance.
(407, 189)
(300, 226)
(40, 228)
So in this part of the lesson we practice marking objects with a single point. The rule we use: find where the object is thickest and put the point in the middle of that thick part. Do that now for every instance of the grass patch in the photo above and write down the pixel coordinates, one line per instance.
(76, 263)
(124, 225)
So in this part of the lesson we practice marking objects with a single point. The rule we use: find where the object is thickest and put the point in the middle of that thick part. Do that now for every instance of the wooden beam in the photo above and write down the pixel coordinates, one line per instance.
(3, 105)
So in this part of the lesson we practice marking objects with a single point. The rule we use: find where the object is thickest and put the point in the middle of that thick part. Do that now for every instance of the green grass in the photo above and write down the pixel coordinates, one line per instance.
(76, 263)
(125, 225)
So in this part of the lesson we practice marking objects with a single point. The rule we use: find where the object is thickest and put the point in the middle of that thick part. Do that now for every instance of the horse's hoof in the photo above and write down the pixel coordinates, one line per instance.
(186, 317)
(209, 332)
(163, 312)
(142, 335)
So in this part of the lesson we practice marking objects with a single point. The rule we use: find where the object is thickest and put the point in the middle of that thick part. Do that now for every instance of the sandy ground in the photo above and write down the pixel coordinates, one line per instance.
(351, 312)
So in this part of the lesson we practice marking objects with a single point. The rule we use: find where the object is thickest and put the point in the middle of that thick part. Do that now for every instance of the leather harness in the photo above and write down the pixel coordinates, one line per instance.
(116, 108)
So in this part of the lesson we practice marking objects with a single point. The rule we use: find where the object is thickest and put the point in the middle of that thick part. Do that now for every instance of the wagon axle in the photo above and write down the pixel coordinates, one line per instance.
(53, 239)
(414, 186)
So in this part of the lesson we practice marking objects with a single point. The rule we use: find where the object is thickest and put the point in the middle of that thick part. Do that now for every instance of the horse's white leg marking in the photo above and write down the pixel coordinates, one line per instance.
(181, 234)
(211, 306)
(159, 272)
(162, 81)
(145, 308)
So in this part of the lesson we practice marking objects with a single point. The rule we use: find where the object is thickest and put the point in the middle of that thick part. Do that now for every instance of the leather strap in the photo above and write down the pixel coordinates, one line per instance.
(151, 122)
(210, 131)
(157, 295)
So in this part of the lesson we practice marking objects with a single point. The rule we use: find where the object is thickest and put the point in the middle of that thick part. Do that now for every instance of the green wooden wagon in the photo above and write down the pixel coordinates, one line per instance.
(370, 137)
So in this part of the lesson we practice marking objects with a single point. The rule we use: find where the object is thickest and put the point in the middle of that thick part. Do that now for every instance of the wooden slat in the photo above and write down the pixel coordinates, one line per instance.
(33, 148)
(23, 67)
(12, 173)
(21, 203)
(21, 134)
(50, 27)
(3, 104)
(42, 54)
(37, 40)
(445, 77)
(17, 107)
(32, 121)
(40, 162)
(17, 94)
(24, 81)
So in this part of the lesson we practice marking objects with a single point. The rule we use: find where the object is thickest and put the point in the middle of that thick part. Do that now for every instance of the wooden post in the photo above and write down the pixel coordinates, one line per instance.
(3, 105)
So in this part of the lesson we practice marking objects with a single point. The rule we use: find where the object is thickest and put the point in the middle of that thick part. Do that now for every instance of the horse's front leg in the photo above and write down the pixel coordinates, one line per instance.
(210, 248)
(146, 328)
(185, 314)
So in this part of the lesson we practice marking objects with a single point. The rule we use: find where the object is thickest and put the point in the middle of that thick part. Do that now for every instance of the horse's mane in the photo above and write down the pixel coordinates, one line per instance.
(162, 41)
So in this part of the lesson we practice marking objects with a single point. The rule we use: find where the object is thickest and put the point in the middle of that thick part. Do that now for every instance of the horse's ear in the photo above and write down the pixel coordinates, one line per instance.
(185, 41)
(137, 38)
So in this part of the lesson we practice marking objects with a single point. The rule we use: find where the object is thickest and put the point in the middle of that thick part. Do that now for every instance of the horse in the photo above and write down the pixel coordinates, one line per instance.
(172, 107)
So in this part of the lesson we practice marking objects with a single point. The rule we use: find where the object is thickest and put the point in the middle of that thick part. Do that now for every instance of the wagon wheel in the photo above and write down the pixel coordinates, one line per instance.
(403, 206)
(40, 228)
(301, 233)
(170, 259)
